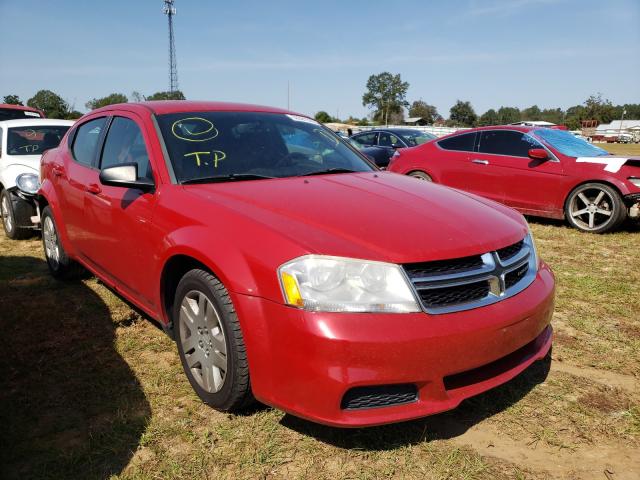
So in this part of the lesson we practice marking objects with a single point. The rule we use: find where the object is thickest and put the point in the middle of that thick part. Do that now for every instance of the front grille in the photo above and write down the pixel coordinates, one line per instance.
(514, 276)
(440, 297)
(440, 267)
(445, 286)
(379, 396)
(507, 252)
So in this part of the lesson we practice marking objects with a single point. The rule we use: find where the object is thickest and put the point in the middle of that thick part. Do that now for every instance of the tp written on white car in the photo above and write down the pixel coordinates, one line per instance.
(22, 143)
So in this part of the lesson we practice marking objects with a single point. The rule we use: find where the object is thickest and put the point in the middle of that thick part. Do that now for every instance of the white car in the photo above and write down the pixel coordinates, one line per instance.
(22, 143)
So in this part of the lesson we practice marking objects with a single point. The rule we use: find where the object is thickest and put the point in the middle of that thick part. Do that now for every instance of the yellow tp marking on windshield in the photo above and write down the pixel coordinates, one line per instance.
(197, 155)
(194, 129)
(217, 157)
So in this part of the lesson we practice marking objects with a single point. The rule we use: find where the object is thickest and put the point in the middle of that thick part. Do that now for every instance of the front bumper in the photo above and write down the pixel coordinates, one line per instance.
(304, 363)
(633, 205)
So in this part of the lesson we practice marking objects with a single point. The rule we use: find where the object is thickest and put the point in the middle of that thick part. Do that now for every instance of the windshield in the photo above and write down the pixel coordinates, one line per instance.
(16, 113)
(33, 140)
(568, 144)
(237, 144)
(416, 137)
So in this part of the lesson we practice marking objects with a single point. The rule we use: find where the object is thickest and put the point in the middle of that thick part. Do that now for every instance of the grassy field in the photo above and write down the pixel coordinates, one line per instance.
(621, 148)
(90, 389)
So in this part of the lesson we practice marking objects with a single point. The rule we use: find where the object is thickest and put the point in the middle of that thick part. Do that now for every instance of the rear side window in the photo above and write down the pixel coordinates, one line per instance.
(366, 138)
(388, 140)
(125, 144)
(462, 143)
(505, 142)
(86, 141)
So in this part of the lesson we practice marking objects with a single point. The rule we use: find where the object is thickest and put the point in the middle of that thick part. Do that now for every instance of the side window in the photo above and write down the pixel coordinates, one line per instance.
(366, 138)
(506, 142)
(125, 144)
(462, 143)
(86, 141)
(388, 140)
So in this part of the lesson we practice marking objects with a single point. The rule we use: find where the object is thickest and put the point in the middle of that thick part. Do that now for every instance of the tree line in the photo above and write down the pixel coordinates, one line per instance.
(386, 96)
(54, 106)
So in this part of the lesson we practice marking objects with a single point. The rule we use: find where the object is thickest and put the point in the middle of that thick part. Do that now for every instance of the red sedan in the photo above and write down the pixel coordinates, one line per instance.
(538, 171)
(246, 232)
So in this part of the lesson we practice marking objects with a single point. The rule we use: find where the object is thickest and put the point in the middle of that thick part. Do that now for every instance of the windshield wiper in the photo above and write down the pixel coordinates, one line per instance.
(328, 171)
(225, 178)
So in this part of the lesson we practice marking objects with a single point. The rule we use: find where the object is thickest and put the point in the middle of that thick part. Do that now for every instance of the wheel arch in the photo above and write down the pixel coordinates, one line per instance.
(420, 170)
(608, 183)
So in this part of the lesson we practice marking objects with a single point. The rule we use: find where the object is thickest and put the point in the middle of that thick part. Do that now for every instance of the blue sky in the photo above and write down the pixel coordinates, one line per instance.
(517, 52)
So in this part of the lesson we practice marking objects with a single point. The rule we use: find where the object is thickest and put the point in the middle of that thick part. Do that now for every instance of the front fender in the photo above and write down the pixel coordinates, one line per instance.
(9, 174)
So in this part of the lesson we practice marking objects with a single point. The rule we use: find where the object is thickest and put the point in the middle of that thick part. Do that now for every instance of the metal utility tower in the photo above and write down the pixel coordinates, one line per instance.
(169, 10)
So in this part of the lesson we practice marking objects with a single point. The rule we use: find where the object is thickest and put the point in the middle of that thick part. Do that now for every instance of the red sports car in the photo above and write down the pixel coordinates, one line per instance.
(538, 171)
(247, 233)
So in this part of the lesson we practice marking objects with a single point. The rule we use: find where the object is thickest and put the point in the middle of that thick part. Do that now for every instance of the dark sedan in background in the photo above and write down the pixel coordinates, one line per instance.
(381, 144)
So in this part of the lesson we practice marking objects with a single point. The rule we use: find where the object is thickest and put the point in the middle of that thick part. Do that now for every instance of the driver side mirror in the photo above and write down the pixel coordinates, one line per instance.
(125, 175)
(538, 154)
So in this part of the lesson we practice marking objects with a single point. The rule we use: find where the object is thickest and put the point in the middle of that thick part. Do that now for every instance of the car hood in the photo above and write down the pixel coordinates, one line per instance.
(30, 161)
(374, 215)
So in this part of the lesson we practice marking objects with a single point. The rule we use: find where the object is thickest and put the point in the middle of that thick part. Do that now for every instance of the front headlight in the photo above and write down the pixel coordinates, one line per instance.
(336, 284)
(28, 182)
(635, 181)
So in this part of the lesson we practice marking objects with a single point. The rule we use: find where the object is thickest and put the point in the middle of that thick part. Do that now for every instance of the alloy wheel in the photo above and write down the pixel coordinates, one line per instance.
(6, 213)
(51, 248)
(203, 341)
(592, 208)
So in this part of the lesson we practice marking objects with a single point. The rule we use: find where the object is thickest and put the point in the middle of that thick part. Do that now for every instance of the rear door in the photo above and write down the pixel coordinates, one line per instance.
(73, 177)
(520, 182)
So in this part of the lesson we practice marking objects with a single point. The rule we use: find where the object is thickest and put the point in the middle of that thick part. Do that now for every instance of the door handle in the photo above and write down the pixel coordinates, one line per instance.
(94, 188)
(57, 170)
(481, 162)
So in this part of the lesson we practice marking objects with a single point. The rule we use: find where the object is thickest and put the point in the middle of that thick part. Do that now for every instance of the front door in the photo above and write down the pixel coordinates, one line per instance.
(118, 219)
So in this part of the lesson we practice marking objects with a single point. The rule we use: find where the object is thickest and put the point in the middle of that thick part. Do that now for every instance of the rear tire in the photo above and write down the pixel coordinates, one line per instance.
(59, 263)
(15, 214)
(210, 342)
(421, 176)
(595, 208)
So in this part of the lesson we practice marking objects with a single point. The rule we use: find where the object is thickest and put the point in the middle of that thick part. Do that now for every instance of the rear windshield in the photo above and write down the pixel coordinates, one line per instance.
(14, 113)
(416, 137)
(206, 144)
(568, 144)
(34, 140)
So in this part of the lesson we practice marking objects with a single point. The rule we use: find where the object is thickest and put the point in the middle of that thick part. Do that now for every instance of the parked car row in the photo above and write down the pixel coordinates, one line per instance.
(248, 233)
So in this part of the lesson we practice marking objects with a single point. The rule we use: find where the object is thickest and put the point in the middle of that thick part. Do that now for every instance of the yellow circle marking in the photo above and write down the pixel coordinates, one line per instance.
(210, 133)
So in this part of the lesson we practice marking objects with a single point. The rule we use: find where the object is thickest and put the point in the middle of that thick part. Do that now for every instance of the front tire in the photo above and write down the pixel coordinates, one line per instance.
(421, 176)
(595, 208)
(59, 263)
(15, 214)
(210, 342)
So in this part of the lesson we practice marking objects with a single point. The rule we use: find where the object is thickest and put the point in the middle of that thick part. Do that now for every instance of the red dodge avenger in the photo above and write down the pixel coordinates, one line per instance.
(249, 233)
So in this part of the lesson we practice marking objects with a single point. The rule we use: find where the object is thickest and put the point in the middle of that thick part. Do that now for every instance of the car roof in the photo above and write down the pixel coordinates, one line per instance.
(519, 128)
(11, 106)
(30, 122)
(161, 107)
(391, 130)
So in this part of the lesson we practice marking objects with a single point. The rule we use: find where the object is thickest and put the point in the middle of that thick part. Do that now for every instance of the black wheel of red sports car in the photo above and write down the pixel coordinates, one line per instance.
(210, 342)
(421, 176)
(595, 208)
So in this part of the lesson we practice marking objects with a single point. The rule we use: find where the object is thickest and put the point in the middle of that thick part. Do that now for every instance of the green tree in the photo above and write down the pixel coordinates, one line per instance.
(386, 93)
(108, 100)
(462, 114)
(599, 108)
(177, 95)
(490, 117)
(422, 109)
(323, 117)
(553, 115)
(532, 113)
(52, 104)
(508, 115)
(12, 100)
